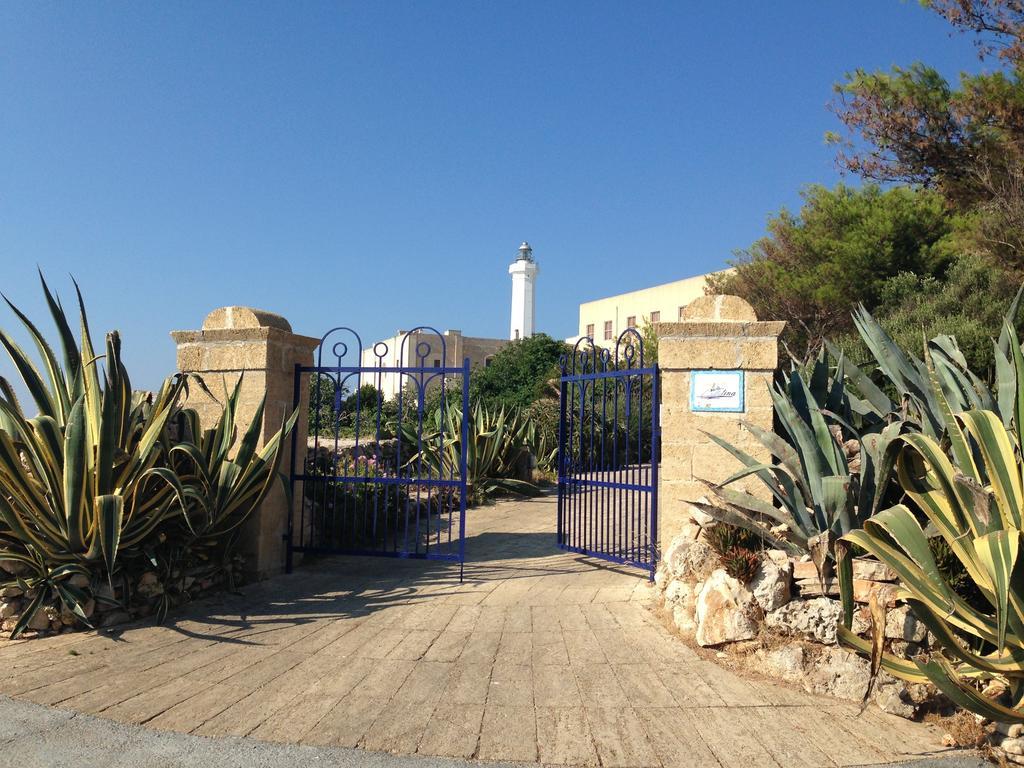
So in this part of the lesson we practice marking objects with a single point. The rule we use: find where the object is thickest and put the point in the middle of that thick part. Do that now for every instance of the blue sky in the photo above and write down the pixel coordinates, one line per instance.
(378, 164)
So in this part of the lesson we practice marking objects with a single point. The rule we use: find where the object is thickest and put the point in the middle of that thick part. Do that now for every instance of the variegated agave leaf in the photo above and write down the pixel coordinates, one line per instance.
(979, 519)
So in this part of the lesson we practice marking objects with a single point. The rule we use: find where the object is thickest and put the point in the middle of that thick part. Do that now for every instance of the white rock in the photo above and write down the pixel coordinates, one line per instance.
(771, 584)
(79, 580)
(1012, 730)
(13, 567)
(785, 662)
(685, 619)
(9, 608)
(689, 558)
(861, 621)
(39, 620)
(681, 598)
(837, 672)
(872, 570)
(893, 698)
(680, 591)
(674, 554)
(1012, 746)
(661, 575)
(724, 611)
(815, 619)
(901, 624)
(781, 559)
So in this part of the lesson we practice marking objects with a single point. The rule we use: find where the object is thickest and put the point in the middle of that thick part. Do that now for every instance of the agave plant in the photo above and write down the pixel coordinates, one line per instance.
(497, 439)
(80, 481)
(216, 486)
(833, 458)
(919, 382)
(825, 477)
(972, 496)
(95, 474)
(976, 508)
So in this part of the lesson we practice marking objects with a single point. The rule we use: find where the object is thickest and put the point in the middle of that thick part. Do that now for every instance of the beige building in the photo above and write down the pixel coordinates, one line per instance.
(424, 349)
(605, 319)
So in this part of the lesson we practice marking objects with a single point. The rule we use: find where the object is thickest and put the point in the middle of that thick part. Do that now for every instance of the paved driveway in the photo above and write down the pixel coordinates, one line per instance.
(538, 656)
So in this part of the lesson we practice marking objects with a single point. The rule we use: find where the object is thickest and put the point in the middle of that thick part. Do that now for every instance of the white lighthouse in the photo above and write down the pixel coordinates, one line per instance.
(524, 274)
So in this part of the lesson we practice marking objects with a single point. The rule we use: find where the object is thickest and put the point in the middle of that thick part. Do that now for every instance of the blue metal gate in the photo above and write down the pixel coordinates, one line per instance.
(608, 447)
(383, 472)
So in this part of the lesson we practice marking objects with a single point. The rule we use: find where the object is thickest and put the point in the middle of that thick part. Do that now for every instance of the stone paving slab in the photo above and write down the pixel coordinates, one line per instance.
(538, 657)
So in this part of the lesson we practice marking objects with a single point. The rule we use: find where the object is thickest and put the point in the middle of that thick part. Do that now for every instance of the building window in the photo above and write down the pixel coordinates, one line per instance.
(681, 310)
(607, 329)
(437, 363)
(488, 361)
(631, 321)
(590, 330)
(655, 317)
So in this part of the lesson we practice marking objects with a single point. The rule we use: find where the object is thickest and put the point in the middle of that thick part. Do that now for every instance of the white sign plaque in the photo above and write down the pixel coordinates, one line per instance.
(716, 391)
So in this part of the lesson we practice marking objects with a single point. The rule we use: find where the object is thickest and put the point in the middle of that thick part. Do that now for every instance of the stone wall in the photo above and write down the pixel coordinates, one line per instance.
(261, 348)
(716, 333)
(782, 622)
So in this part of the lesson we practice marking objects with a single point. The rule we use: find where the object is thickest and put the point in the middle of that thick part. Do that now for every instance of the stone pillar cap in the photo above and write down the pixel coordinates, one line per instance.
(226, 318)
(721, 307)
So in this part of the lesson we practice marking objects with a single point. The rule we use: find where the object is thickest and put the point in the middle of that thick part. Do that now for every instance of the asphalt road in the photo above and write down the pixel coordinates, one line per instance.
(32, 736)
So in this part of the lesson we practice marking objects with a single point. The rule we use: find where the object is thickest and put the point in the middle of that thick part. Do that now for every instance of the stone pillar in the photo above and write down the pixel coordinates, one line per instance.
(718, 334)
(237, 340)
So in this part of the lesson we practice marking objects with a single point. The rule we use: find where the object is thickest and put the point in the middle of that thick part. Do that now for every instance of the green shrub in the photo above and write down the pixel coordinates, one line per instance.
(102, 479)
(321, 417)
(968, 303)
(520, 373)
(836, 252)
(976, 507)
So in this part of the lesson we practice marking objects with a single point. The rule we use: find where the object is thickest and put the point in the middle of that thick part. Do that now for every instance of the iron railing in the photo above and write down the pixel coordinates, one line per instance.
(362, 485)
(608, 441)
